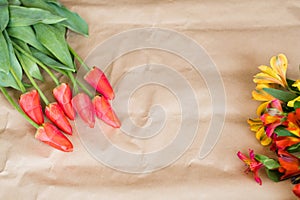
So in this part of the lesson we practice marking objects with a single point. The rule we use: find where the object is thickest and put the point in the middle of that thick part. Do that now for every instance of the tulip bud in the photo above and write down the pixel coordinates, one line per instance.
(31, 105)
(84, 107)
(97, 79)
(49, 134)
(105, 112)
(55, 114)
(63, 96)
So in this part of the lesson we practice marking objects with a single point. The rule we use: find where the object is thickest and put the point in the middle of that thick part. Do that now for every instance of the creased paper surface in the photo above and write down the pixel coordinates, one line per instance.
(237, 35)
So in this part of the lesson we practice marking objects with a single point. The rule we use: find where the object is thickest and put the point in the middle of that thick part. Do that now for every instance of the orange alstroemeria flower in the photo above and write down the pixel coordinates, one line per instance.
(282, 142)
(294, 122)
(289, 164)
(296, 190)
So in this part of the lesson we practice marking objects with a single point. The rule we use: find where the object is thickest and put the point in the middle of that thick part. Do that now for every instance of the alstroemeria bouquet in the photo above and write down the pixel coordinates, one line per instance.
(277, 124)
(33, 38)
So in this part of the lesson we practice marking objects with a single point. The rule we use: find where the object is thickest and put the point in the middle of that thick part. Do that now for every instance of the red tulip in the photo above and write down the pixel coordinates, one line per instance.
(105, 112)
(49, 134)
(31, 105)
(84, 107)
(97, 79)
(63, 96)
(296, 190)
(54, 112)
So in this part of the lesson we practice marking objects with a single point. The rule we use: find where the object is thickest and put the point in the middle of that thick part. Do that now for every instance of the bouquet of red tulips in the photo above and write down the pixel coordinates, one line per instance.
(32, 38)
(277, 124)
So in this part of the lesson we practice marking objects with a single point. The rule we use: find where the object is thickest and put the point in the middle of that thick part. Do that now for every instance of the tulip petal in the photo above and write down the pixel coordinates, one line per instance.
(105, 112)
(84, 107)
(49, 134)
(31, 105)
(63, 96)
(97, 79)
(57, 116)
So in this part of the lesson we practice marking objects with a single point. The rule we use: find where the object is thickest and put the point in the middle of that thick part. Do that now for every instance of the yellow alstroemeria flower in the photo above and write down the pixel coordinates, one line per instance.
(260, 95)
(292, 102)
(297, 84)
(274, 74)
(256, 125)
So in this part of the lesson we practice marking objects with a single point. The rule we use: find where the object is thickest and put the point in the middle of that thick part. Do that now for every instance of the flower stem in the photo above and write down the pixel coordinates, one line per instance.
(73, 52)
(19, 82)
(75, 87)
(16, 106)
(33, 82)
(44, 67)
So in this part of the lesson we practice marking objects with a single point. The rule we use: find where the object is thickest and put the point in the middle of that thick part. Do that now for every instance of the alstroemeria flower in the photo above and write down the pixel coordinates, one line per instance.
(252, 163)
(289, 164)
(260, 95)
(63, 96)
(283, 142)
(105, 112)
(294, 122)
(296, 190)
(85, 109)
(49, 134)
(97, 79)
(292, 102)
(297, 84)
(55, 114)
(31, 105)
(256, 125)
(273, 117)
(274, 74)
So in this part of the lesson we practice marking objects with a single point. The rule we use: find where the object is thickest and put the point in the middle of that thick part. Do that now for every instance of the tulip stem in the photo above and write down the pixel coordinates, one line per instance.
(44, 67)
(72, 78)
(73, 52)
(19, 82)
(84, 88)
(16, 106)
(33, 82)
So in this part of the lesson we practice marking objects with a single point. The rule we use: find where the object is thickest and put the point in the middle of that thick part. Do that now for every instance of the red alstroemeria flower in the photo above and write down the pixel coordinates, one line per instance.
(273, 117)
(296, 190)
(283, 142)
(97, 79)
(290, 164)
(63, 96)
(252, 163)
(55, 114)
(85, 109)
(105, 112)
(49, 134)
(294, 122)
(31, 105)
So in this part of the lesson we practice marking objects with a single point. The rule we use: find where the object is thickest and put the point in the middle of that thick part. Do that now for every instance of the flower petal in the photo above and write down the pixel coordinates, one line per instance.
(279, 65)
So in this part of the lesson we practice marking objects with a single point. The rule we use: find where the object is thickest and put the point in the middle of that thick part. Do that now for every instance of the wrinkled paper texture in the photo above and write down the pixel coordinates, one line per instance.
(237, 35)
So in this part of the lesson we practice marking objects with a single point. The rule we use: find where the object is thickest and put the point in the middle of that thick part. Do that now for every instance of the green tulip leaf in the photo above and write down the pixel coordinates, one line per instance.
(52, 38)
(27, 35)
(32, 67)
(4, 14)
(22, 16)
